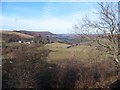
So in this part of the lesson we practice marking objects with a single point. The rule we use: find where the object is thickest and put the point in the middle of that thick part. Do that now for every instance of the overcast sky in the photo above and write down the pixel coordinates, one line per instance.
(56, 17)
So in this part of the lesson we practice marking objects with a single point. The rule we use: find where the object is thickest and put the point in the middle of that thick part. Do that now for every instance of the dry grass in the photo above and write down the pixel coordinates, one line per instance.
(16, 33)
(61, 52)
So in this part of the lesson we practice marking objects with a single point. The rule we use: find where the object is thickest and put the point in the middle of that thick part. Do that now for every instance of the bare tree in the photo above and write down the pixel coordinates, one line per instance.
(106, 25)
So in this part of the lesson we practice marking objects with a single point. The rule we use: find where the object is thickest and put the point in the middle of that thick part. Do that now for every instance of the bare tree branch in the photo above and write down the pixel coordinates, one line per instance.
(105, 24)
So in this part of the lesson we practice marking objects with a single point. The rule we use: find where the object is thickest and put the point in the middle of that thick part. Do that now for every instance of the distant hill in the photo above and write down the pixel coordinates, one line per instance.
(22, 35)
(15, 36)
(37, 33)
(65, 38)
(10, 36)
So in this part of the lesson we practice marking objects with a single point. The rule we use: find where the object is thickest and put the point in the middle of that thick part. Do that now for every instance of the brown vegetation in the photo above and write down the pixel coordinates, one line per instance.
(20, 71)
(29, 69)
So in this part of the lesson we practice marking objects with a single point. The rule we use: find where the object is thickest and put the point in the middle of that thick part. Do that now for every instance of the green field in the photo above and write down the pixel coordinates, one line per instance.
(81, 52)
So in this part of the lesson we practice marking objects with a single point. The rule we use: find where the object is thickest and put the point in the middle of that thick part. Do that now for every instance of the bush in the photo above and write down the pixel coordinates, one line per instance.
(29, 69)
(72, 74)
(20, 71)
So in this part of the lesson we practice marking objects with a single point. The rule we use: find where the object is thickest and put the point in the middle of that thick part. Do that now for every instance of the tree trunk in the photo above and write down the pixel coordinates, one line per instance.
(117, 66)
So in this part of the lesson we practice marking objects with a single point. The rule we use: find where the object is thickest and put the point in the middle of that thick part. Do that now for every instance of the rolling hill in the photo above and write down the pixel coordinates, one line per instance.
(36, 33)
(22, 35)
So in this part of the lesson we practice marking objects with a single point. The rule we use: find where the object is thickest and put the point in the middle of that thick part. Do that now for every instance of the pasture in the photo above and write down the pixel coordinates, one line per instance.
(59, 51)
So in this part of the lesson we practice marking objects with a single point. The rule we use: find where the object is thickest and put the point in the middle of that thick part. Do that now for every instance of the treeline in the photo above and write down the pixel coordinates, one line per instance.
(8, 38)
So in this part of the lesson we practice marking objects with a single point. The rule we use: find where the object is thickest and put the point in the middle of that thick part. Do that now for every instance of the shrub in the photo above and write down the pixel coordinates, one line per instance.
(30, 69)
(20, 71)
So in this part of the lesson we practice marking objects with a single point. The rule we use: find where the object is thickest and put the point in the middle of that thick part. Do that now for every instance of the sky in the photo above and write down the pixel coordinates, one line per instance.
(56, 17)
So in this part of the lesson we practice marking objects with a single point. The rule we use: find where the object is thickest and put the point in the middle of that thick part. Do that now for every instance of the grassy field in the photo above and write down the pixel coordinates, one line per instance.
(81, 52)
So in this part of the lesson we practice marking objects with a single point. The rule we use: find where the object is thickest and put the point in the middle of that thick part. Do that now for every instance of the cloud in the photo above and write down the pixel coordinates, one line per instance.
(61, 24)
(55, 25)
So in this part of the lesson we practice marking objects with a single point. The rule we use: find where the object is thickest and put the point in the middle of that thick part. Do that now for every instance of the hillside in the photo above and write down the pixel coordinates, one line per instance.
(10, 36)
(36, 33)
(61, 52)
(16, 33)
